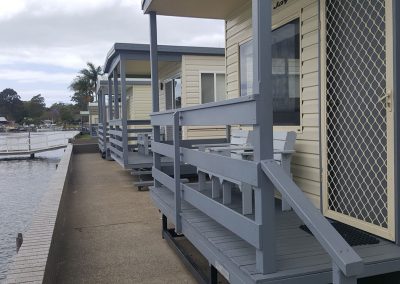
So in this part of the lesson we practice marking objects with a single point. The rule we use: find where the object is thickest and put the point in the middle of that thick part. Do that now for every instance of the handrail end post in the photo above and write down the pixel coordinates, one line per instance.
(338, 277)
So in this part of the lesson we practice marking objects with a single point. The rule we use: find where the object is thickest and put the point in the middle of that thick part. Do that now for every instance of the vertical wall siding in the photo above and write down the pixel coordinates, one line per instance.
(192, 65)
(306, 161)
(141, 103)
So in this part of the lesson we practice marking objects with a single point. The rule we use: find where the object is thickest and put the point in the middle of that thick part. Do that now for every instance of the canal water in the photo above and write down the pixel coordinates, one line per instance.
(22, 184)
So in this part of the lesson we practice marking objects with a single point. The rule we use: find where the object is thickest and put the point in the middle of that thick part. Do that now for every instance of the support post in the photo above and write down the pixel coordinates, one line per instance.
(116, 95)
(124, 111)
(226, 192)
(247, 199)
(339, 278)
(164, 225)
(104, 121)
(154, 86)
(110, 116)
(202, 180)
(213, 275)
(263, 134)
(396, 110)
(110, 100)
(99, 107)
(177, 174)
(215, 187)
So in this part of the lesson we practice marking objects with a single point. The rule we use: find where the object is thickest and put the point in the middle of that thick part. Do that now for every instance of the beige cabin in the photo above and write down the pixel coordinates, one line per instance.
(195, 80)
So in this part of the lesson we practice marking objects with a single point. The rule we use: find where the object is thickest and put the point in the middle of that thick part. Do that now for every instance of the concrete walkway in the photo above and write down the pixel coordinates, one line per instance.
(112, 231)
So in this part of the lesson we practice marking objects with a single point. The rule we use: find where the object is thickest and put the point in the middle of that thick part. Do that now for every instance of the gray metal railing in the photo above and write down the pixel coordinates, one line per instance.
(116, 134)
(344, 258)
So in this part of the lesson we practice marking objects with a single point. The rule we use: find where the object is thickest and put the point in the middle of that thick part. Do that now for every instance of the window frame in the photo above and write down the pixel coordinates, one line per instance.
(171, 79)
(215, 73)
(296, 15)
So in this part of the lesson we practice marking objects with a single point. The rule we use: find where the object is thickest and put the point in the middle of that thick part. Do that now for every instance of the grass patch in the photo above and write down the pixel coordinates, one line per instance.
(84, 137)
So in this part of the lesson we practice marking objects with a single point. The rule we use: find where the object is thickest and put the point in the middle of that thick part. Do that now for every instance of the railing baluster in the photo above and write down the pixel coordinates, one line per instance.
(177, 173)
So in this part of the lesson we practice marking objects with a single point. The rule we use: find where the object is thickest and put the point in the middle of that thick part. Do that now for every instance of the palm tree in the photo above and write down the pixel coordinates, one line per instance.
(91, 74)
(84, 85)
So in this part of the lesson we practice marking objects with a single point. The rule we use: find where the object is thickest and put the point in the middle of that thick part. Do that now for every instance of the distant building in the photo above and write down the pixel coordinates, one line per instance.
(3, 120)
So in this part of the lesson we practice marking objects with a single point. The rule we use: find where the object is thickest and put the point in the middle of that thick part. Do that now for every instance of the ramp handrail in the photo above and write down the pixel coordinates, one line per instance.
(342, 254)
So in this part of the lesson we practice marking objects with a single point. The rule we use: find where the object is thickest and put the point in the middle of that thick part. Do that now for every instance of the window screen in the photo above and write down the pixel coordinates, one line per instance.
(220, 87)
(207, 88)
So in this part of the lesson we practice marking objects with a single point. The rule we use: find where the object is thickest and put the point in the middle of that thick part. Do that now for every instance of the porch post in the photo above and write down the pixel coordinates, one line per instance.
(99, 107)
(110, 114)
(104, 120)
(116, 95)
(124, 111)
(154, 86)
(263, 146)
(177, 174)
(396, 109)
(110, 104)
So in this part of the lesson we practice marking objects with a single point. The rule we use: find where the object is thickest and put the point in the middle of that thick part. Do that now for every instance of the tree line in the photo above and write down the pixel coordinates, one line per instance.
(34, 111)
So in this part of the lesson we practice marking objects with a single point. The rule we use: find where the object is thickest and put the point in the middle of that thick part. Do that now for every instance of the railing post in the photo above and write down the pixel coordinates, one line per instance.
(154, 86)
(339, 278)
(177, 173)
(29, 140)
(263, 134)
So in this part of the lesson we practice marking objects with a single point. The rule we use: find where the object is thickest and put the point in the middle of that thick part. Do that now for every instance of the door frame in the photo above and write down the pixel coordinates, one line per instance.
(389, 232)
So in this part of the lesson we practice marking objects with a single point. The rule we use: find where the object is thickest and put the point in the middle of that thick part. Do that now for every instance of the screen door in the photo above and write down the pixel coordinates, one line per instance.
(358, 152)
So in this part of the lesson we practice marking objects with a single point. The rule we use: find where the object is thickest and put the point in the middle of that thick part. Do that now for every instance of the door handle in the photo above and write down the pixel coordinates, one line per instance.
(388, 100)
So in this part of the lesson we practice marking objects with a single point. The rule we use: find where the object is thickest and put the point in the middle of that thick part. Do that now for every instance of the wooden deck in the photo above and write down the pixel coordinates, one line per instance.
(137, 160)
(300, 258)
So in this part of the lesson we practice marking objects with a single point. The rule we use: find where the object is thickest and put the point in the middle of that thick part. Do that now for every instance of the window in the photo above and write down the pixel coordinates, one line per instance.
(285, 72)
(212, 87)
(173, 93)
(177, 92)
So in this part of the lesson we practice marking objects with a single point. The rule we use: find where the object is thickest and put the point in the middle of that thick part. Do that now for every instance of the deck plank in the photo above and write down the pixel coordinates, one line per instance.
(299, 254)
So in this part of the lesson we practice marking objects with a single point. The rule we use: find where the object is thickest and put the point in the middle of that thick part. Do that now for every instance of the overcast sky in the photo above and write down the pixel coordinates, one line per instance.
(44, 43)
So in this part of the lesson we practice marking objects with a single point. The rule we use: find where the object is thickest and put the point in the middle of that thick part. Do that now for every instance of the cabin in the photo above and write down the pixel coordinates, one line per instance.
(93, 109)
(324, 69)
(183, 72)
(136, 90)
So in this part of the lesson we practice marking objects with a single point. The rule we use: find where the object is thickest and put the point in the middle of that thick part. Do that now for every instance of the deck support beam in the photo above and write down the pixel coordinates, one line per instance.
(263, 134)
(124, 111)
(154, 86)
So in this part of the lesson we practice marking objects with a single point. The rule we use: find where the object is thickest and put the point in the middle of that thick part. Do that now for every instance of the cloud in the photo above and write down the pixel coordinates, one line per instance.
(66, 34)
(29, 76)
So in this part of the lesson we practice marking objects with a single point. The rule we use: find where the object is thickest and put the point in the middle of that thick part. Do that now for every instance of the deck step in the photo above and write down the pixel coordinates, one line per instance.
(139, 173)
(143, 183)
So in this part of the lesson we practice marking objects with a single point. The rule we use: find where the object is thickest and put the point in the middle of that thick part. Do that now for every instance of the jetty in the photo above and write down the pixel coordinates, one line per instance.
(29, 144)
(92, 226)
